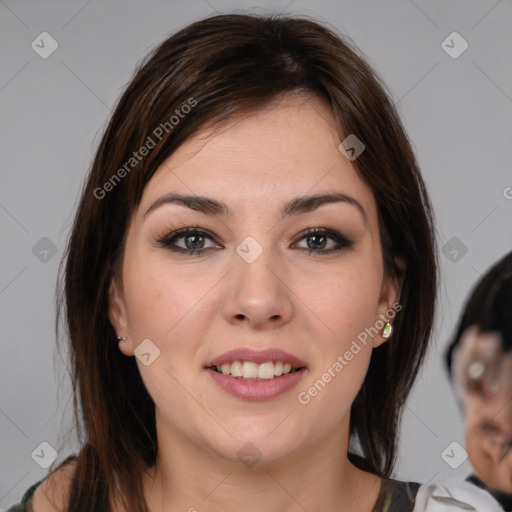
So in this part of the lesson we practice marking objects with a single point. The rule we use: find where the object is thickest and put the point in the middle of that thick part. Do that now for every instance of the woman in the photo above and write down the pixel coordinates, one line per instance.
(250, 282)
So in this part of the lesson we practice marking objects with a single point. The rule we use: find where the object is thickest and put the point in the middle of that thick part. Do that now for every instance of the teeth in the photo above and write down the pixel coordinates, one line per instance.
(250, 370)
(266, 371)
(236, 369)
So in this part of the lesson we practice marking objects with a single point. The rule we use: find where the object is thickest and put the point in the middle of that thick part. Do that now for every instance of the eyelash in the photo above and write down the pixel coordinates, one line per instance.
(168, 240)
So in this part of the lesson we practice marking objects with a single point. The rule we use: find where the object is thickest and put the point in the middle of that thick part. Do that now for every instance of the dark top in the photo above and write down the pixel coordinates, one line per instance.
(395, 496)
(26, 502)
(504, 499)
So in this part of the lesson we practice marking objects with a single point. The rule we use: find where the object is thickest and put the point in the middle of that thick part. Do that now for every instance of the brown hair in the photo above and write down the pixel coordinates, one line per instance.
(233, 65)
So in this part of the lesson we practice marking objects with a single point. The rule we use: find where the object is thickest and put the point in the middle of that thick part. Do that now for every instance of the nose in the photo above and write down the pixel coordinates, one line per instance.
(259, 293)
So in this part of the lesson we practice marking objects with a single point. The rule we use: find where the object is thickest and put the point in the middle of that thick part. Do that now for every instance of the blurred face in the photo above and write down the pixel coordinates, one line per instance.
(261, 268)
(488, 406)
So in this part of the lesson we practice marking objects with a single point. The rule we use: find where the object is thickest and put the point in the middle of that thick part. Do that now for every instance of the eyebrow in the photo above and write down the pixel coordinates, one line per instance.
(488, 426)
(296, 206)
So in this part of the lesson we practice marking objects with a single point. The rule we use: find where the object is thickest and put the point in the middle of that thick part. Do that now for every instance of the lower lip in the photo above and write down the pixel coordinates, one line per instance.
(257, 390)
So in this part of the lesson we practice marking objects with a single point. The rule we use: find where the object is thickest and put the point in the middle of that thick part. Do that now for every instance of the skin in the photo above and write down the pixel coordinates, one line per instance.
(488, 414)
(195, 308)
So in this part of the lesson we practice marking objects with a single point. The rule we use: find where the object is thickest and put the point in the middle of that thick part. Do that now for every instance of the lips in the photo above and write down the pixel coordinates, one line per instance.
(257, 390)
(256, 356)
(264, 387)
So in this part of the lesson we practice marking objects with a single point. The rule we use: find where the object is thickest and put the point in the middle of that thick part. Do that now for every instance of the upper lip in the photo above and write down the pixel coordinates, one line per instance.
(256, 356)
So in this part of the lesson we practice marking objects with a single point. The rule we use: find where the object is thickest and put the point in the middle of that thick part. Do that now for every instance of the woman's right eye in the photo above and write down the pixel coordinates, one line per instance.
(193, 241)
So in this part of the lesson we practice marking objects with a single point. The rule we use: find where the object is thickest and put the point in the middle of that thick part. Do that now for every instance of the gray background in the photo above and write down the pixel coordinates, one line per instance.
(458, 113)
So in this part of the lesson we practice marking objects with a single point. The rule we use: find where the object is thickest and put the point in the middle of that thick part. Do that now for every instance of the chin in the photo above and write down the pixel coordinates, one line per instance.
(254, 450)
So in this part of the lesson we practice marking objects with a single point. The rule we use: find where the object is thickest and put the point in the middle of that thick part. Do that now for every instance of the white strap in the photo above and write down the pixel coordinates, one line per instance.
(464, 496)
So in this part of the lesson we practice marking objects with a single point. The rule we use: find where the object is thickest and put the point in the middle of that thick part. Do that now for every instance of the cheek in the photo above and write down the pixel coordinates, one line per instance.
(153, 301)
(163, 298)
(346, 303)
(346, 300)
(170, 308)
(479, 457)
(476, 454)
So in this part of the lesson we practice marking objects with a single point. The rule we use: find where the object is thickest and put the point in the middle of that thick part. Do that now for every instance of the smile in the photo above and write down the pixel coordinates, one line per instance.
(251, 374)
(250, 370)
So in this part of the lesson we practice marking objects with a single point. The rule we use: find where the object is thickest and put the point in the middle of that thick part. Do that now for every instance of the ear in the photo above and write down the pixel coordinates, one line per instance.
(389, 305)
(118, 317)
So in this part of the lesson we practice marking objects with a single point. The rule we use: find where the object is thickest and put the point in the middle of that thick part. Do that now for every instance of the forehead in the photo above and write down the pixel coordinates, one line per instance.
(288, 148)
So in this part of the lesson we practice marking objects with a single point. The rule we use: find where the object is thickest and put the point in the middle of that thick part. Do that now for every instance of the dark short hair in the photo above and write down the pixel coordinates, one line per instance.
(488, 307)
(232, 65)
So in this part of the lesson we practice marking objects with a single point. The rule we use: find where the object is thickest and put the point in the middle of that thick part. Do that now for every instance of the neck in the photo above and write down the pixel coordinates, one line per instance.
(317, 477)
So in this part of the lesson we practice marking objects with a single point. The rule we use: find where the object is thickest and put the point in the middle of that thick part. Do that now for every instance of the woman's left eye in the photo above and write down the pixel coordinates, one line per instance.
(317, 240)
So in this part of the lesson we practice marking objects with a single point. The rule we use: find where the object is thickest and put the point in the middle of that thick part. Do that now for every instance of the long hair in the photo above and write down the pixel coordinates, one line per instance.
(223, 67)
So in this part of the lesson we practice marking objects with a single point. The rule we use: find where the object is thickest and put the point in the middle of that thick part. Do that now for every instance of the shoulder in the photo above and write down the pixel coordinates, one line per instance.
(396, 495)
(52, 494)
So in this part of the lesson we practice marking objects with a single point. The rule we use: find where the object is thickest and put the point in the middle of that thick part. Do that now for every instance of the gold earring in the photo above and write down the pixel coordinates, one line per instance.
(388, 329)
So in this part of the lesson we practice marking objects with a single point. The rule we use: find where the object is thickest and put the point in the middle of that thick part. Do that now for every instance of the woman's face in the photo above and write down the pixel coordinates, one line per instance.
(259, 283)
